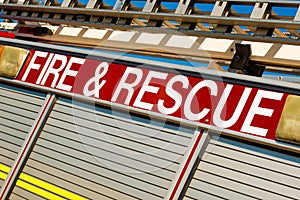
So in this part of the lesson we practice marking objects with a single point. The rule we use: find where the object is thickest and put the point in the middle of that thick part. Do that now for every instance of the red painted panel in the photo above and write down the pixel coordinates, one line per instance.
(227, 106)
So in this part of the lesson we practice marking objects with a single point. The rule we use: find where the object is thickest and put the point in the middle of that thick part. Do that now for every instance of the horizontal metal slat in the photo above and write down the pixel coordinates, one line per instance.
(215, 189)
(21, 101)
(20, 111)
(243, 183)
(111, 160)
(269, 154)
(17, 197)
(19, 192)
(67, 138)
(115, 167)
(13, 148)
(89, 175)
(123, 119)
(273, 163)
(15, 117)
(121, 115)
(6, 156)
(189, 198)
(20, 93)
(112, 139)
(229, 168)
(14, 131)
(1, 182)
(71, 182)
(170, 167)
(148, 144)
(201, 190)
(259, 171)
(14, 124)
(160, 137)
(11, 139)
(129, 163)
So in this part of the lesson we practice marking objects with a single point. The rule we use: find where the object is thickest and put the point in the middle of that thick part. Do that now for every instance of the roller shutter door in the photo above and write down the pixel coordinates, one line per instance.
(233, 170)
(18, 111)
(96, 153)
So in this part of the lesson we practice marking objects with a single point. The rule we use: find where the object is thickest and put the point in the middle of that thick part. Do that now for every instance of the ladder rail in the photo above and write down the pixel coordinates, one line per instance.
(266, 23)
(223, 21)
(223, 13)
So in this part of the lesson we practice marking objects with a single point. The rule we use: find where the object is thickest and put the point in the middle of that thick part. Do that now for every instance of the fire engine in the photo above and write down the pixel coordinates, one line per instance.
(149, 99)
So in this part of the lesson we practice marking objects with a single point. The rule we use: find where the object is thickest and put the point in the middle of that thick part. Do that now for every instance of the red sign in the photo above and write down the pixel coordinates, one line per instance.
(234, 107)
(7, 34)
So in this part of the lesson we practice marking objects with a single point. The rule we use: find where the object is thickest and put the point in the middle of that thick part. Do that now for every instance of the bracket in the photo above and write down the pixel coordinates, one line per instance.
(242, 64)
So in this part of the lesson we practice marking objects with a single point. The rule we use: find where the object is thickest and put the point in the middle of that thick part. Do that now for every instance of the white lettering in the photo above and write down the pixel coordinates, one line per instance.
(52, 70)
(33, 65)
(147, 88)
(45, 68)
(256, 110)
(176, 96)
(217, 114)
(128, 86)
(187, 105)
(100, 72)
(69, 72)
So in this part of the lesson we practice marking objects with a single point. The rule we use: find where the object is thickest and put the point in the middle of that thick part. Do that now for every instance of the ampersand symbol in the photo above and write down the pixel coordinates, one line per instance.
(99, 73)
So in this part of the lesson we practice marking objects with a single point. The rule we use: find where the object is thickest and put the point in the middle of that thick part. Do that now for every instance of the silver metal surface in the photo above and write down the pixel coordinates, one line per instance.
(232, 169)
(113, 154)
(280, 145)
(27, 146)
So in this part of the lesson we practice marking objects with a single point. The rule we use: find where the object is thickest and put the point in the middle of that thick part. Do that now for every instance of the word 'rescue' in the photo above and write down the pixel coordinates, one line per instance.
(229, 106)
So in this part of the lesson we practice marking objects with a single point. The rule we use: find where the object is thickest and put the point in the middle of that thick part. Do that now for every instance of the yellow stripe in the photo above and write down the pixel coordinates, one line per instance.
(41, 184)
(50, 187)
(3, 176)
(4, 168)
(38, 191)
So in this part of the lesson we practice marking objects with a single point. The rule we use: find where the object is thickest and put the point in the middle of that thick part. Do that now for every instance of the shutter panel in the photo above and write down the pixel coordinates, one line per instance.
(98, 153)
(231, 169)
(18, 110)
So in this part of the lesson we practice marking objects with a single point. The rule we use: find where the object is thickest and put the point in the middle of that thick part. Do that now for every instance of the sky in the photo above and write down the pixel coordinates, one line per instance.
(207, 7)
(204, 7)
